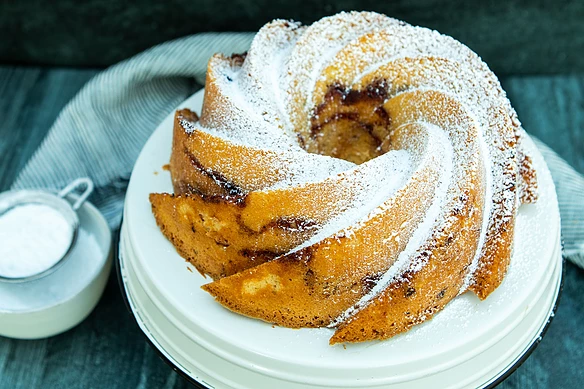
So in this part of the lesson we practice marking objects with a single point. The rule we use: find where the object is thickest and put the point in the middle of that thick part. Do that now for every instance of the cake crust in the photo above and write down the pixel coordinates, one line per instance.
(358, 173)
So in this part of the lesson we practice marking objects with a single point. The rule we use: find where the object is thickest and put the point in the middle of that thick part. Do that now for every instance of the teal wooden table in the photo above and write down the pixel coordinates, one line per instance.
(108, 350)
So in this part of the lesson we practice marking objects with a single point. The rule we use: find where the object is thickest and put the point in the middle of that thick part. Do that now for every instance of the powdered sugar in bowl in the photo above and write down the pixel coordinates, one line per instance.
(38, 230)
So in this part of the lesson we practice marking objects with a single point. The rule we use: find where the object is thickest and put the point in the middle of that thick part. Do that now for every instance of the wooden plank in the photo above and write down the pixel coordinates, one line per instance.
(31, 99)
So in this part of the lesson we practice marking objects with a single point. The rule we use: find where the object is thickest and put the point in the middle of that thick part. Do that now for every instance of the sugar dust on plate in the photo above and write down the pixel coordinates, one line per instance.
(33, 238)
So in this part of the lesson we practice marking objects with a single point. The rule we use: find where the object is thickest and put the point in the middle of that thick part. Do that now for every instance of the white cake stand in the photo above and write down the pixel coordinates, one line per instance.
(469, 344)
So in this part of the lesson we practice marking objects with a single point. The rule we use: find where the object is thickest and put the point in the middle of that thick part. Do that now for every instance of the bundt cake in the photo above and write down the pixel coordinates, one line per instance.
(358, 173)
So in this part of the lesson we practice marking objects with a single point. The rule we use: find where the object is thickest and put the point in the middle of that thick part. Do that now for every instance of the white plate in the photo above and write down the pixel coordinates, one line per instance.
(462, 331)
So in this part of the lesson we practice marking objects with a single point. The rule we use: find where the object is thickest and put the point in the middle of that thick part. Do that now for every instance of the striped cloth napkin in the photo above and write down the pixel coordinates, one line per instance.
(100, 133)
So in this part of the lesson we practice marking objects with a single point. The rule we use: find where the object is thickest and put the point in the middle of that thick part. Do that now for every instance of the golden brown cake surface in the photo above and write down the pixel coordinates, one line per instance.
(358, 173)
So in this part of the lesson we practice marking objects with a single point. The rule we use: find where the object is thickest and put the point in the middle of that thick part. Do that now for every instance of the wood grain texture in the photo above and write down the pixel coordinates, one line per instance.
(30, 100)
(107, 350)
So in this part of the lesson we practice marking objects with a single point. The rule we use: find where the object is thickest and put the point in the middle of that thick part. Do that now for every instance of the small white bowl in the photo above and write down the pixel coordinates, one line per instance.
(52, 304)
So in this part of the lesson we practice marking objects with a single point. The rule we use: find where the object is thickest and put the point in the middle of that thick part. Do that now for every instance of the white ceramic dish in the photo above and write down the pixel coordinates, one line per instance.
(53, 304)
(229, 350)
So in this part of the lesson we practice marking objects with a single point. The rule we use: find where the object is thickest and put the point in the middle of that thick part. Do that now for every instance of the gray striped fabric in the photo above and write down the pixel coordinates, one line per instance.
(570, 189)
(99, 134)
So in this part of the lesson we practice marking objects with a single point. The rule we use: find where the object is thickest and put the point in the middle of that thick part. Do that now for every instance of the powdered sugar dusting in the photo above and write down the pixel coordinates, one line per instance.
(439, 144)
(235, 117)
(295, 166)
(383, 177)
(486, 220)
(321, 41)
(267, 101)
(268, 51)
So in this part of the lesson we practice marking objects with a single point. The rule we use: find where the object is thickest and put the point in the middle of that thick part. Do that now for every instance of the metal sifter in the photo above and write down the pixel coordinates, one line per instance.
(57, 201)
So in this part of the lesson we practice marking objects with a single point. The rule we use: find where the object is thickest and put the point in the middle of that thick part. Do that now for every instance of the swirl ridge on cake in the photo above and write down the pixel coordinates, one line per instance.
(358, 173)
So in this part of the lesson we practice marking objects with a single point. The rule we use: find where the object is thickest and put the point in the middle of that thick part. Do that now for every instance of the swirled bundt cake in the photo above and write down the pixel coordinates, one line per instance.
(358, 173)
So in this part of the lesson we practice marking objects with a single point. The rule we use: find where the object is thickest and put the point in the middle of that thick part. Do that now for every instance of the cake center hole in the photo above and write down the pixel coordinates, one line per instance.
(350, 124)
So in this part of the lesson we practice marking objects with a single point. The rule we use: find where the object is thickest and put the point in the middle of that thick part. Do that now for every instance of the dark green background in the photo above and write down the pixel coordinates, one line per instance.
(44, 46)
(515, 36)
